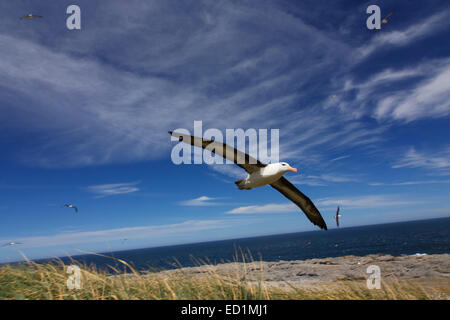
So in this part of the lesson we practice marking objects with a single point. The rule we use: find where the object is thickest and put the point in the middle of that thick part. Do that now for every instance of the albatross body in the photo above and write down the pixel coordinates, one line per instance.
(259, 174)
(337, 216)
(264, 176)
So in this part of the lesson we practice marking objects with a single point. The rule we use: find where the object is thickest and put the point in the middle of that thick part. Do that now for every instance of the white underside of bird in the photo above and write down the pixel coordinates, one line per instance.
(265, 176)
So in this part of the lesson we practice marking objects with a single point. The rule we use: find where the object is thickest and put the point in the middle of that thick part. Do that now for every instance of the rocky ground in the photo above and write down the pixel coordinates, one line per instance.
(427, 270)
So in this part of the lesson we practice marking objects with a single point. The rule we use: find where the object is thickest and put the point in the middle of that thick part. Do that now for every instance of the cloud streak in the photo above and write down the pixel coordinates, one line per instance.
(323, 179)
(140, 232)
(105, 190)
(201, 202)
(418, 30)
(262, 209)
(367, 201)
(431, 160)
(429, 99)
(408, 183)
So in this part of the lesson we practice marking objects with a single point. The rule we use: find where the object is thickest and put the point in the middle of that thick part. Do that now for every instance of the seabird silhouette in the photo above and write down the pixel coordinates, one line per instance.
(337, 216)
(259, 174)
(71, 206)
(12, 243)
(386, 19)
(30, 16)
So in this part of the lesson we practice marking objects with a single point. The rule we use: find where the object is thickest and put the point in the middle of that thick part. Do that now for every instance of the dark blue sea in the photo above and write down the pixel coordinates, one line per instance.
(425, 236)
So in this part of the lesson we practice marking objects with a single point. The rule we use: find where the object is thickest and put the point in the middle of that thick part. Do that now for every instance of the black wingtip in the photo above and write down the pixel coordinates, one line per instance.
(170, 132)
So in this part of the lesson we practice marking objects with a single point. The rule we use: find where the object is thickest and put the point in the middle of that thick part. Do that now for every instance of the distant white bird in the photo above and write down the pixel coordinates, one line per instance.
(337, 216)
(30, 16)
(71, 207)
(259, 174)
(11, 244)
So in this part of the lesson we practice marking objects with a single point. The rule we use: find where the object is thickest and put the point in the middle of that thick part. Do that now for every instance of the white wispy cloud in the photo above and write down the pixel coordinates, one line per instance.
(430, 160)
(403, 94)
(201, 201)
(140, 232)
(335, 178)
(430, 98)
(323, 179)
(367, 201)
(340, 158)
(267, 208)
(388, 40)
(104, 190)
(408, 183)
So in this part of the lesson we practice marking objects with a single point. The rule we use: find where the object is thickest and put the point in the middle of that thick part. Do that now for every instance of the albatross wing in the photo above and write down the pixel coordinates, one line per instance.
(302, 201)
(240, 158)
(337, 217)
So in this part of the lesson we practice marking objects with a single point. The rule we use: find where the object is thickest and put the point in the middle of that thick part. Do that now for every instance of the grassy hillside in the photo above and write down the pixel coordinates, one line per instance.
(49, 281)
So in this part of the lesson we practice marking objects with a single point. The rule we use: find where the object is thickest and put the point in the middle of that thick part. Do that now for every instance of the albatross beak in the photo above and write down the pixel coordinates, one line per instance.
(292, 169)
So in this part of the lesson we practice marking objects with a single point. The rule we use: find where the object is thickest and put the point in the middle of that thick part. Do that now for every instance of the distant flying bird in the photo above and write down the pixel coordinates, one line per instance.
(11, 244)
(334, 96)
(386, 19)
(71, 206)
(30, 16)
(259, 174)
(337, 216)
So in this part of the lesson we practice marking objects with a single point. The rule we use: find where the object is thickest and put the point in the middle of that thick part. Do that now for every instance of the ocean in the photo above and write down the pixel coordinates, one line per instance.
(425, 236)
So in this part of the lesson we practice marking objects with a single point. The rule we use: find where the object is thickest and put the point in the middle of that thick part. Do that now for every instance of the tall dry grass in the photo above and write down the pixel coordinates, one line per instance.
(48, 281)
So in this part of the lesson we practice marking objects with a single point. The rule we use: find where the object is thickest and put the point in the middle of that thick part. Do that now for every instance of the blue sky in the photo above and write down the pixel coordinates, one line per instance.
(85, 114)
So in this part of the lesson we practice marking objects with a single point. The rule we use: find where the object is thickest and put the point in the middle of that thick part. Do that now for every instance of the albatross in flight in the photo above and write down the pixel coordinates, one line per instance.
(71, 206)
(337, 216)
(259, 174)
(30, 16)
(386, 19)
(11, 244)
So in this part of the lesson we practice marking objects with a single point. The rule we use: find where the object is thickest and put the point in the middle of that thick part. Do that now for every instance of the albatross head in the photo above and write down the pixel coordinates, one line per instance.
(284, 166)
